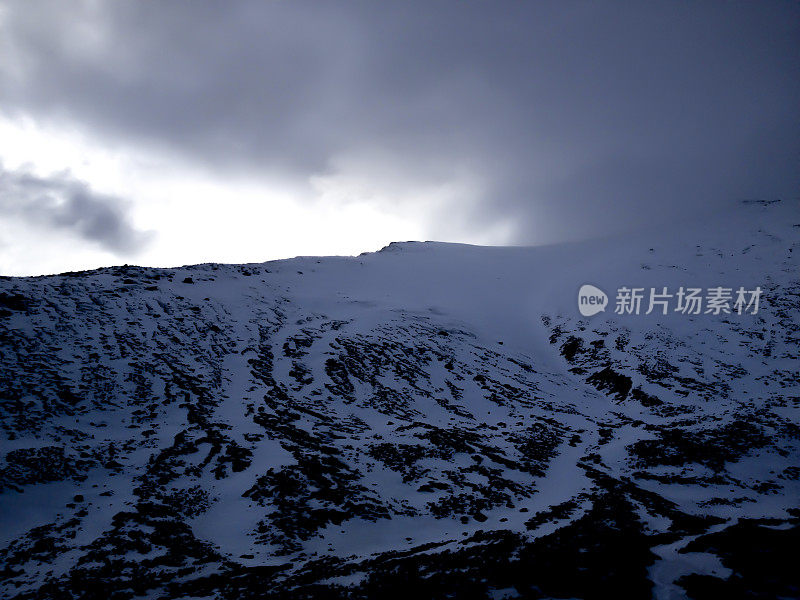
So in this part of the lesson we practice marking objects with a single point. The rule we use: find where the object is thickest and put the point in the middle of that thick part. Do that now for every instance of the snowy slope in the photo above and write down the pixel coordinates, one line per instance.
(431, 419)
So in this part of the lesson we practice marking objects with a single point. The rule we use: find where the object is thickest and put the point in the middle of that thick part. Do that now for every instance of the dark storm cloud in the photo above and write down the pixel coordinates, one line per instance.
(62, 203)
(579, 117)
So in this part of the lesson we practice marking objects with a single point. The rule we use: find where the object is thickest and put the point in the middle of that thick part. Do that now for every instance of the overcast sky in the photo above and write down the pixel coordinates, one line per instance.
(166, 133)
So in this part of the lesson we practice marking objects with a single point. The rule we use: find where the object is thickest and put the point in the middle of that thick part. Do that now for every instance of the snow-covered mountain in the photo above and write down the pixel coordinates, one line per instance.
(431, 420)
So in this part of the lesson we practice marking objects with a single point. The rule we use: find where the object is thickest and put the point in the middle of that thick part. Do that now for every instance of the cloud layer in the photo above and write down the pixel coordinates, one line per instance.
(64, 204)
(575, 118)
